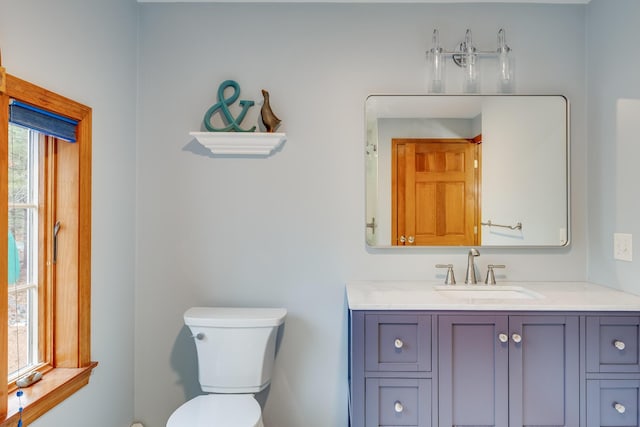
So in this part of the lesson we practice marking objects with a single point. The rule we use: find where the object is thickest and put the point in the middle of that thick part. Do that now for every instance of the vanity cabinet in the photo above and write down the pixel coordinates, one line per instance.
(498, 370)
(392, 369)
(503, 369)
(613, 371)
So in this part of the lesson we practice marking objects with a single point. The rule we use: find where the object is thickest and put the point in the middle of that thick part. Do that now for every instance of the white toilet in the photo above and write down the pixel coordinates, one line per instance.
(236, 349)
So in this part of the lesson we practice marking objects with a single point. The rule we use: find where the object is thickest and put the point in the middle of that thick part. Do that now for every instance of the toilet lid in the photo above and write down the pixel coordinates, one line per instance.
(217, 410)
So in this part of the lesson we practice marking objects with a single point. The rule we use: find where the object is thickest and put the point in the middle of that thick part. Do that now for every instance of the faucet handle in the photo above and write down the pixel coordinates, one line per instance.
(491, 277)
(450, 279)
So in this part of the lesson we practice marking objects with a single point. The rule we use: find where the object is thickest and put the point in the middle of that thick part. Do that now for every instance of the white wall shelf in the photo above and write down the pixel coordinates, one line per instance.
(240, 143)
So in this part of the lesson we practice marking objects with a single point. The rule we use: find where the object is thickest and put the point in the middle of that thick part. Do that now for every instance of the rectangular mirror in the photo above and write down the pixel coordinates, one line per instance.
(467, 170)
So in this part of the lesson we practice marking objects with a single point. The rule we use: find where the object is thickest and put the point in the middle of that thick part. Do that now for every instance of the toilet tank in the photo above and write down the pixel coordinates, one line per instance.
(236, 346)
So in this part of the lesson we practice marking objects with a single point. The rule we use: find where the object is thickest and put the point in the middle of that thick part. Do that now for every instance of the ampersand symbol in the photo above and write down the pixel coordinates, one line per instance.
(223, 105)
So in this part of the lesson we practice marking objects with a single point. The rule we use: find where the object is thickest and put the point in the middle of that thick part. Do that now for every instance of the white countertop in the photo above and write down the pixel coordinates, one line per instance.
(548, 296)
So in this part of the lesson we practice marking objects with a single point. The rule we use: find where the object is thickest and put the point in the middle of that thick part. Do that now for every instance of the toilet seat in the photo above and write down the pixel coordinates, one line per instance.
(218, 410)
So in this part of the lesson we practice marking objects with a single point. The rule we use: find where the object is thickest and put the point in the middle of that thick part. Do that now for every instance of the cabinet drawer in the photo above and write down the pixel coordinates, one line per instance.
(398, 402)
(612, 344)
(612, 403)
(398, 343)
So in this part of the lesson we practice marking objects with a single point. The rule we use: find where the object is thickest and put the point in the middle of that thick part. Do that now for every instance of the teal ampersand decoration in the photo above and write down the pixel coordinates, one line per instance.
(223, 105)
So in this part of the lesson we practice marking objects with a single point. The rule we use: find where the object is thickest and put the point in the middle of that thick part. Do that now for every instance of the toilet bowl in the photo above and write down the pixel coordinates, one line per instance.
(218, 410)
(236, 351)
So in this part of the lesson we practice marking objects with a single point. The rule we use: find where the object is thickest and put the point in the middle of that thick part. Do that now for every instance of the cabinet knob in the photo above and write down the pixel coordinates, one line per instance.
(516, 338)
(411, 239)
(398, 406)
(398, 343)
(619, 344)
(503, 337)
(619, 407)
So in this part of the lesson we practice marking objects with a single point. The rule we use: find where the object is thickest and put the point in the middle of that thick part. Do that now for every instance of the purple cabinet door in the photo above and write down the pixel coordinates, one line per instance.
(398, 342)
(473, 371)
(613, 403)
(394, 402)
(544, 371)
(612, 344)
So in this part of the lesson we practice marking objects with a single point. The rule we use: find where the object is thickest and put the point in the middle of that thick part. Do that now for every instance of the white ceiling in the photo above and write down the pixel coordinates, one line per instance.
(370, 1)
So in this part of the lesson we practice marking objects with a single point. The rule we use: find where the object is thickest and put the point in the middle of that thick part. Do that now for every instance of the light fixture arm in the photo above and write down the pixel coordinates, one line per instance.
(466, 49)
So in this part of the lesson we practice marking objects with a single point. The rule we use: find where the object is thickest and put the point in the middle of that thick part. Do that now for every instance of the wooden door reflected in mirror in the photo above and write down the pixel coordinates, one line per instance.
(435, 191)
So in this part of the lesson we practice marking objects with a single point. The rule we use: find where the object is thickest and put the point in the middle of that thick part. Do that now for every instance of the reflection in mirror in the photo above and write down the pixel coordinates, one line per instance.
(467, 170)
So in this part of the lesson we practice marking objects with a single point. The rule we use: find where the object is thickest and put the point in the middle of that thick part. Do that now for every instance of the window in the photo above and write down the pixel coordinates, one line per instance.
(45, 304)
(25, 259)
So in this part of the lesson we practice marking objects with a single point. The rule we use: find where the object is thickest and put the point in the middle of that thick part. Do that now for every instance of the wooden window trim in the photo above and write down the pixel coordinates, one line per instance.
(55, 386)
(69, 337)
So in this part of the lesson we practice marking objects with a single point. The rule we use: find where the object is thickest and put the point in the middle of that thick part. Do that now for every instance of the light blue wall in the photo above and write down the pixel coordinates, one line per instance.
(289, 230)
(614, 139)
(86, 50)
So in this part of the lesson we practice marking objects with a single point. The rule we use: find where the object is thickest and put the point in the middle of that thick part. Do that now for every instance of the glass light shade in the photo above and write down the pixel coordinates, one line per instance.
(471, 72)
(436, 63)
(506, 83)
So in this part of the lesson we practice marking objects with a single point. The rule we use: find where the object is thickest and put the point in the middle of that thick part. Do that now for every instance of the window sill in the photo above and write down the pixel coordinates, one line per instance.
(54, 387)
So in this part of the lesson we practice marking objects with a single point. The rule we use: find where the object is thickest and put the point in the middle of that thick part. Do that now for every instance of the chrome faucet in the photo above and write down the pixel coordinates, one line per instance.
(470, 278)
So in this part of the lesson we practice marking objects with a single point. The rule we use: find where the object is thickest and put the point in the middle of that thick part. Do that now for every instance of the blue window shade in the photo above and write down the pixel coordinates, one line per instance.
(42, 121)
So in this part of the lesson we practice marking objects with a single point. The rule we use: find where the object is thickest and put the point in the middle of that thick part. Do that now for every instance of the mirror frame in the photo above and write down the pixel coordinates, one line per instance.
(371, 150)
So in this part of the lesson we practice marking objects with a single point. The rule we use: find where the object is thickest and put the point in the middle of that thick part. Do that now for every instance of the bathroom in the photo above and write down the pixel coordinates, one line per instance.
(174, 227)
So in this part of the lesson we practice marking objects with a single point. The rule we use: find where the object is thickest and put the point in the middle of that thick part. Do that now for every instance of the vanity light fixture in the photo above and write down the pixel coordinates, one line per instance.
(467, 56)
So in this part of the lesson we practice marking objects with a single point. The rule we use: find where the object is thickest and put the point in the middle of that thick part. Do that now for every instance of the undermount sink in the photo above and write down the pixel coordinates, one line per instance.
(487, 292)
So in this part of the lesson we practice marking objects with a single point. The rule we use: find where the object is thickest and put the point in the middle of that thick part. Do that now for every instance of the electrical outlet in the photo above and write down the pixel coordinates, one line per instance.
(622, 247)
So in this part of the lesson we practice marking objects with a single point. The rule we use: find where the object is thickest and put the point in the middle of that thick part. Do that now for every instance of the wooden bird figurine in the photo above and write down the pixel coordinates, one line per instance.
(271, 122)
